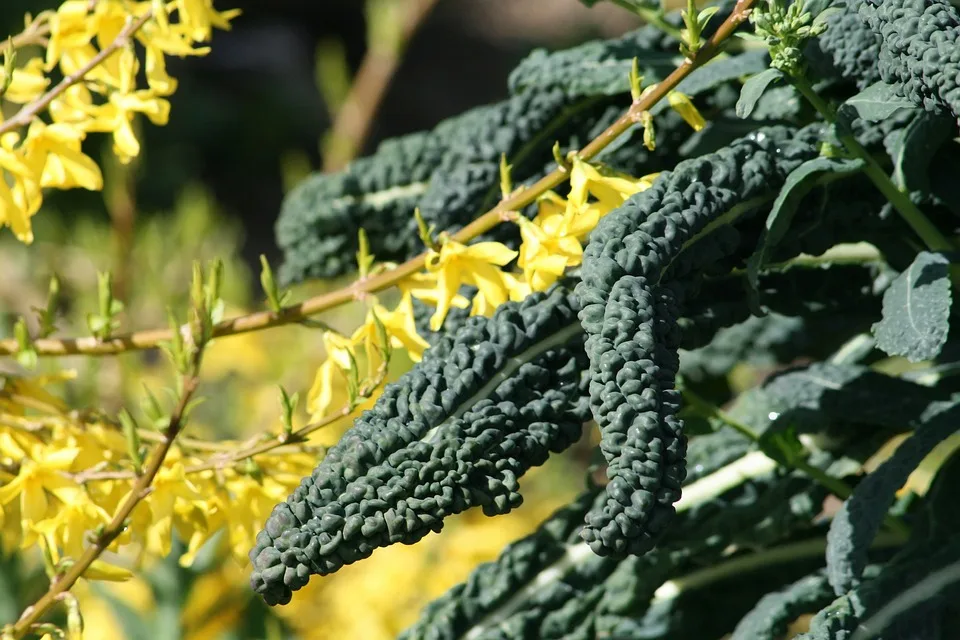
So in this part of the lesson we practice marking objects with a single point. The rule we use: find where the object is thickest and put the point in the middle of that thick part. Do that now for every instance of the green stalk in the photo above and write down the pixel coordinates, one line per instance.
(834, 485)
(900, 200)
(802, 550)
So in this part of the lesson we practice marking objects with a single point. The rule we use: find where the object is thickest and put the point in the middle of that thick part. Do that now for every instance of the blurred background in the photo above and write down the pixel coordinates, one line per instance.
(247, 122)
(262, 97)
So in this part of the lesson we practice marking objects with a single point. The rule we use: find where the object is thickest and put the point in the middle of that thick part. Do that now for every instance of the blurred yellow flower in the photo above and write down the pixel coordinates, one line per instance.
(53, 153)
(153, 519)
(329, 385)
(73, 520)
(199, 17)
(27, 84)
(41, 475)
(105, 100)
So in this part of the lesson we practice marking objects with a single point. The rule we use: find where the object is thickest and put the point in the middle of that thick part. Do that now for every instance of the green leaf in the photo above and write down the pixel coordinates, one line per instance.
(772, 615)
(718, 72)
(858, 520)
(916, 310)
(800, 181)
(877, 102)
(915, 147)
(753, 88)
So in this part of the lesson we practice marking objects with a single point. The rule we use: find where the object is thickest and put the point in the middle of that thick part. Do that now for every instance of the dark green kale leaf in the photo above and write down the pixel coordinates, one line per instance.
(457, 431)
(769, 619)
(919, 50)
(630, 315)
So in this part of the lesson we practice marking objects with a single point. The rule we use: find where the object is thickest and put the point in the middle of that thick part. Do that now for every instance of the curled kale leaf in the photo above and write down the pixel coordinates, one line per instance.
(600, 67)
(919, 51)
(868, 608)
(856, 524)
(457, 431)
(550, 585)
(771, 616)
(319, 220)
(451, 173)
(630, 316)
(847, 50)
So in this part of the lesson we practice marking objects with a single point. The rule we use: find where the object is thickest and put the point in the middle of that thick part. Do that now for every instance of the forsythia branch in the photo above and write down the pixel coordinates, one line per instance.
(25, 115)
(379, 65)
(141, 488)
(151, 338)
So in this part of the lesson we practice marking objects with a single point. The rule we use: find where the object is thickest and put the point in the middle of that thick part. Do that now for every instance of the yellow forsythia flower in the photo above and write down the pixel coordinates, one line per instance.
(479, 265)
(27, 84)
(552, 242)
(40, 476)
(106, 100)
(401, 327)
(682, 104)
(329, 386)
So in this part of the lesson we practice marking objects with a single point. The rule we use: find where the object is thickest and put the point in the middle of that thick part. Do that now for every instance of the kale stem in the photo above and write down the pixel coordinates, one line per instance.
(801, 550)
(707, 409)
(900, 200)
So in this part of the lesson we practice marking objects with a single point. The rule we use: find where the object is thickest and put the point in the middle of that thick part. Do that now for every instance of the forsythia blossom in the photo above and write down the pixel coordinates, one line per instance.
(553, 241)
(478, 265)
(103, 96)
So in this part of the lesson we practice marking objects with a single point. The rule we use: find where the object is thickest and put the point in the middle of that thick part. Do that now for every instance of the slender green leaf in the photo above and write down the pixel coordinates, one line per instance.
(914, 148)
(877, 102)
(753, 88)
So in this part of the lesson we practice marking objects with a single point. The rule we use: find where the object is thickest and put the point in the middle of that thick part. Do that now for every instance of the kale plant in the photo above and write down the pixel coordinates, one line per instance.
(796, 211)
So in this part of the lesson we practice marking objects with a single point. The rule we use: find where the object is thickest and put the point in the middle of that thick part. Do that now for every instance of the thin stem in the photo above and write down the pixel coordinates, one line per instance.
(834, 485)
(35, 33)
(140, 490)
(912, 215)
(355, 116)
(151, 338)
(707, 409)
(24, 116)
(651, 16)
(300, 435)
(785, 553)
(227, 456)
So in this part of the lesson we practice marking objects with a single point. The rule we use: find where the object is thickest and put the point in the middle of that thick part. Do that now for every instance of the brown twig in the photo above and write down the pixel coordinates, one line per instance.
(368, 89)
(25, 115)
(141, 489)
(298, 436)
(34, 33)
(253, 447)
(151, 338)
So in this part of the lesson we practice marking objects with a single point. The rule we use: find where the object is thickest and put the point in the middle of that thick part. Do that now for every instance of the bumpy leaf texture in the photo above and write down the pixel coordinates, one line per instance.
(550, 585)
(452, 172)
(319, 220)
(457, 431)
(630, 312)
(920, 49)
(847, 50)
